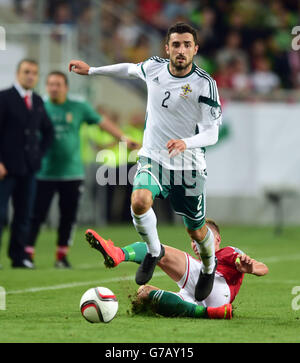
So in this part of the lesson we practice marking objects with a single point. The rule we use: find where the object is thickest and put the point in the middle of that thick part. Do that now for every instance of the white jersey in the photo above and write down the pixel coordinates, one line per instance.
(177, 108)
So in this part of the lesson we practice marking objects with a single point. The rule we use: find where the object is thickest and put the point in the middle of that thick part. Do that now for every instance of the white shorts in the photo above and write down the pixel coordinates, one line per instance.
(220, 294)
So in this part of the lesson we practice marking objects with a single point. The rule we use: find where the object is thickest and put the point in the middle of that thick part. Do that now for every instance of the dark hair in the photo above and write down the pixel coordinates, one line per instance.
(181, 28)
(59, 73)
(212, 224)
(26, 60)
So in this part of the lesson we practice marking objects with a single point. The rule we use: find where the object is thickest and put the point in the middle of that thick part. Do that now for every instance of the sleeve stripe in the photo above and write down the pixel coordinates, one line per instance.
(212, 86)
(142, 67)
(212, 83)
(159, 60)
(208, 101)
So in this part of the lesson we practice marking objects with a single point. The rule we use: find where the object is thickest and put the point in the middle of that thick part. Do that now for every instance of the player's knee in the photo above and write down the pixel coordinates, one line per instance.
(165, 260)
(141, 201)
(198, 234)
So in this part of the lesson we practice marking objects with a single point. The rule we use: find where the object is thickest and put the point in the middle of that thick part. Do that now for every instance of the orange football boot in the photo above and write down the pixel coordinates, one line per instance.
(221, 312)
(112, 255)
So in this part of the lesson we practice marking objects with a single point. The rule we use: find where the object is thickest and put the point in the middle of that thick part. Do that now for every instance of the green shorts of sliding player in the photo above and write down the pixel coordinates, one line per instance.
(185, 188)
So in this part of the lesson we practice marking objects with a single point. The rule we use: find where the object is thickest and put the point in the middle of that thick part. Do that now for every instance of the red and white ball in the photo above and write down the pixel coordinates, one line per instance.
(99, 305)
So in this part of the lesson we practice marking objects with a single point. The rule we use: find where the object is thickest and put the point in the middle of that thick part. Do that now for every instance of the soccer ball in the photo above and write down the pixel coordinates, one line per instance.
(99, 304)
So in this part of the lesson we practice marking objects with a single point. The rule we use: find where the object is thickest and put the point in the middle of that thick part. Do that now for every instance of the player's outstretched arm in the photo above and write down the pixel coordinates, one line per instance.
(79, 67)
(120, 70)
(246, 264)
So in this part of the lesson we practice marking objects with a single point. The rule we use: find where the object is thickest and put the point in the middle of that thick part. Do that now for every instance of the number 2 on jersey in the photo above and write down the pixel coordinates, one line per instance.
(168, 94)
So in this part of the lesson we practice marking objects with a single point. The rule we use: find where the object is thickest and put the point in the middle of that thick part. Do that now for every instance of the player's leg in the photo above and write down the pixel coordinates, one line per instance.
(114, 255)
(206, 250)
(69, 197)
(146, 187)
(169, 304)
(220, 293)
(173, 263)
(188, 199)
(44, 194)
(143, 216)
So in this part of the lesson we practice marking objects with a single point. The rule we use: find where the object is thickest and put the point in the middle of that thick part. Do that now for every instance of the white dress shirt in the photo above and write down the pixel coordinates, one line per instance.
(23, 92)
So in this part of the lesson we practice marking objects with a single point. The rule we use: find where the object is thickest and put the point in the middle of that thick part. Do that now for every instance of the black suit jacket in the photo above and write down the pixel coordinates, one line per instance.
(25, 135)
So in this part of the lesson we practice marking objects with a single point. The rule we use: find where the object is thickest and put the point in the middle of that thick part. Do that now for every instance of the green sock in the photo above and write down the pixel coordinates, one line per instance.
(169, 304)
(135, 252)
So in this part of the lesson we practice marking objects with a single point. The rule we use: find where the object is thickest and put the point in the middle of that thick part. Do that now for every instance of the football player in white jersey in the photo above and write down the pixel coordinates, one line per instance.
(183, 117)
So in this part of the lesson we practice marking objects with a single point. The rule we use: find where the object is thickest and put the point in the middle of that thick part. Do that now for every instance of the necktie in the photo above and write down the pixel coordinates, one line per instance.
(27, 101)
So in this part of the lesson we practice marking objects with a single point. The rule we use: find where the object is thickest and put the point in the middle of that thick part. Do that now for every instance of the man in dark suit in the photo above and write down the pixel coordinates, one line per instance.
(25, 134)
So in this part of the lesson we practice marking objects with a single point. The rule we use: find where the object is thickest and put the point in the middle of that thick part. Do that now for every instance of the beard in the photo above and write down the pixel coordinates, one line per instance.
(180, 66)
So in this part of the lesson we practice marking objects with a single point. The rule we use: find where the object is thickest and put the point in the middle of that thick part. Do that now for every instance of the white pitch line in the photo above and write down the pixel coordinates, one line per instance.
(76, 284)
(269, 259)
(275, 259)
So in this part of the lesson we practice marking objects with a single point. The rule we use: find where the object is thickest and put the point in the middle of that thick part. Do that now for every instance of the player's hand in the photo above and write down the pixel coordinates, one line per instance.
(3, 171)
(175, 147)
(79, 67)
(132, 145)
(195, 249)
(244, 264)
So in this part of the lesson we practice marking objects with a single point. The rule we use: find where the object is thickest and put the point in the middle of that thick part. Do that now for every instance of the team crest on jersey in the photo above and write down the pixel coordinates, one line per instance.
(186, 90)
(69, 117)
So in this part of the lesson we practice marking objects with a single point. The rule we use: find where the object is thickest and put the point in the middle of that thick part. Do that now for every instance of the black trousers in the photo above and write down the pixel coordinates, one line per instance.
(21, 190)
(69, 195)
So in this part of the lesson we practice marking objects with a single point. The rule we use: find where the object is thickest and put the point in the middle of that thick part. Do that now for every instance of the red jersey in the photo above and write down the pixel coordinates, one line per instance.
(226, 267)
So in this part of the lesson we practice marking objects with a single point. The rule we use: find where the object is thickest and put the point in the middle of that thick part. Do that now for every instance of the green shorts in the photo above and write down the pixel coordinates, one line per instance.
(185, 188)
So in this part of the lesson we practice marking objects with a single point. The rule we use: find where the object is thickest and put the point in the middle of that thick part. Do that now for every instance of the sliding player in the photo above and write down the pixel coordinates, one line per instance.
(184, 270)
(183, 117)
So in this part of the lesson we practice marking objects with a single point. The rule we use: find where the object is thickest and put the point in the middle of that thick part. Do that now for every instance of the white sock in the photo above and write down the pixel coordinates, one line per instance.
(206, 249)
(145, 224)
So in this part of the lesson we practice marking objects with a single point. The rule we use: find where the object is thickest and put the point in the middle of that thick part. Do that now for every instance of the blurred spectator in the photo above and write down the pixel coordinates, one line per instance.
(264, 80)
(223, 76)
(83, 30)
(173, 9)
(232, 50)
(128, 30)
(151, 11)
(140, 51)
(19, 6)
(294, 63)
(208, 36)
(258, 48)
(62, 15)
(228, 29)
(280, 62)
(240, 80)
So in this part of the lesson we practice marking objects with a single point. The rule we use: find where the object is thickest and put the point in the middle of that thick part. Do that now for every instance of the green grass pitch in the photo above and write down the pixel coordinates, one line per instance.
(43, 305)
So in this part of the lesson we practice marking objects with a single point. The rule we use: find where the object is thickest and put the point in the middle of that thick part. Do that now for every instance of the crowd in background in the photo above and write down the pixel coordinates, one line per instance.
(244, 44)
